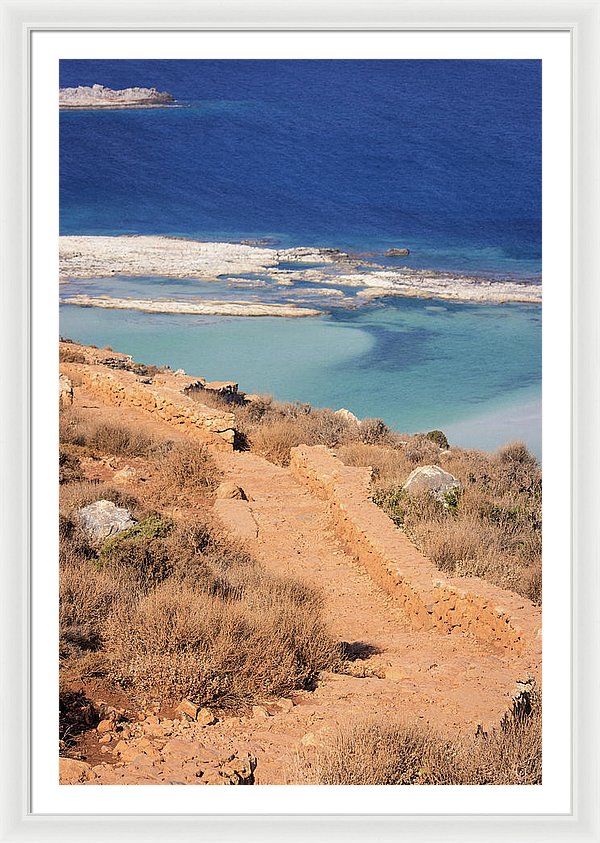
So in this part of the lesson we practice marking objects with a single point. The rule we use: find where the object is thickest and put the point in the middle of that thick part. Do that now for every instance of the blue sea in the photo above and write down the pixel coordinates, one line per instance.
(442, 157)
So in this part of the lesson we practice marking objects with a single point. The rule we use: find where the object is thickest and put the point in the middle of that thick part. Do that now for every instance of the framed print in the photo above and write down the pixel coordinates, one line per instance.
(316, 284)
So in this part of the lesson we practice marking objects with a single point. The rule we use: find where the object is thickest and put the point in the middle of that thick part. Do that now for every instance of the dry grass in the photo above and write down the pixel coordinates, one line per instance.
(185, 614)
(183, 468)
(376, 753)
(166, 609)
(175, 467)
(271, 428)
(493, 529)
(103, 438)
(70, 355)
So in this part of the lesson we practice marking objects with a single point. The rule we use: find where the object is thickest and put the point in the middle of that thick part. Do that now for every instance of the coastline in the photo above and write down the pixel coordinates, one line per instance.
(370, 360)
(89, 257)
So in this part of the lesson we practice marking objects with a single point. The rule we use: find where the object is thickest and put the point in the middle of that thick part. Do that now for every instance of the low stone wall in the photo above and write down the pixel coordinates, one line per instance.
(500, 619)
(169, 403)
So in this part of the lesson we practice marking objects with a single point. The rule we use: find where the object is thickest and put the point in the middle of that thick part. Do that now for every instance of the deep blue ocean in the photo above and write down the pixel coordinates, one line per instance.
(442, 157)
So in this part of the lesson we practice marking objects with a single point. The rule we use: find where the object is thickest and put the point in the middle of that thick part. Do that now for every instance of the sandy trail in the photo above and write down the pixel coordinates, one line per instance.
(451, 682)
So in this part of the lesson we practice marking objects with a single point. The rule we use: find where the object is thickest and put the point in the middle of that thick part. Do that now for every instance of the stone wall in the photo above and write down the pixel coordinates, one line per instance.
(165, 400)
(507, 623)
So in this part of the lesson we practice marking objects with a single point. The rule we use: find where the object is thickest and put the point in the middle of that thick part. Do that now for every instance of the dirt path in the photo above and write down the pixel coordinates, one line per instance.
(450, 682)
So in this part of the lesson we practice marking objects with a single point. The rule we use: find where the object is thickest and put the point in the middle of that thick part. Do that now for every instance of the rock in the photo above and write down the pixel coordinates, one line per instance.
(230, 491)
(187, 708)
(205, 717)
(104, 726)
(103, 519)
(132, 750)
(259, 712)
(107, 738)
(97, 96)
(432, 479)
(300, 699)
(239, 770)
(214, 777)
(125, 475)
(234, 770)
(308, 739)
(74, 772)
(180, 750)
(347, 416)
(65, 390)
(397, 253)
(279, 707)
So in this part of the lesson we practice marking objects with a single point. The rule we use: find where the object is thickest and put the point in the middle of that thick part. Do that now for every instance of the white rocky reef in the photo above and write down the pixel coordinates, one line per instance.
(97, 96)
(205, 308)
(172, 257)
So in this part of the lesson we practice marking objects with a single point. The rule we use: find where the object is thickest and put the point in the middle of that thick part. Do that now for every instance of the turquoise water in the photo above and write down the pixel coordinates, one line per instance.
(472, 369)
(442, 157)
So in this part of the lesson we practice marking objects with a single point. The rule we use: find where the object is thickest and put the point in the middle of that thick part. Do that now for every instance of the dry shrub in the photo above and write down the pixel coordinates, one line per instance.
(113, 439)
(71, 426)
(87, 595)
(224, 649)
(271, 428)
(420, 450)
(118, 440)
(377, 753)
(492, 530)
(511, 754)
(77, 714)
(69, 467)
(274, 429)
(183, 468)
(167, 611)
(390, 466)
(140, 553)
(375, 432)
(275, 439)
(70, 355)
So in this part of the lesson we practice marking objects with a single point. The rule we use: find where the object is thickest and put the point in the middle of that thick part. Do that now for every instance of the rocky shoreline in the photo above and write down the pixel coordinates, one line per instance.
(171, 257)
(97, 96)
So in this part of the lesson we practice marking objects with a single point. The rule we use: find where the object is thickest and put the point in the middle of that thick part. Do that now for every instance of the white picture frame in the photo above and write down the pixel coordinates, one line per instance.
(18, 21)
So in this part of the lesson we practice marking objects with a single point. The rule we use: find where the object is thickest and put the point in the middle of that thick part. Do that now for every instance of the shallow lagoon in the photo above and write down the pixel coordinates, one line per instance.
(472, 370)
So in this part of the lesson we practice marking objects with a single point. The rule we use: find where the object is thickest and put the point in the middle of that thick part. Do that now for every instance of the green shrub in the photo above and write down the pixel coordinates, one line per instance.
(452, 500)
(439, 437)
(140, 551)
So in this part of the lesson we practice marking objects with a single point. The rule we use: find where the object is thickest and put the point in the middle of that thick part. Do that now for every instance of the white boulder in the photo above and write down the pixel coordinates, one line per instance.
(103, 519)
(432, 479)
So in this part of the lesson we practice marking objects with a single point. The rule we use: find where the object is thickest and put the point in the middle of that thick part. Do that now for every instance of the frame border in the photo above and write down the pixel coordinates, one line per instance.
(18, 20)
